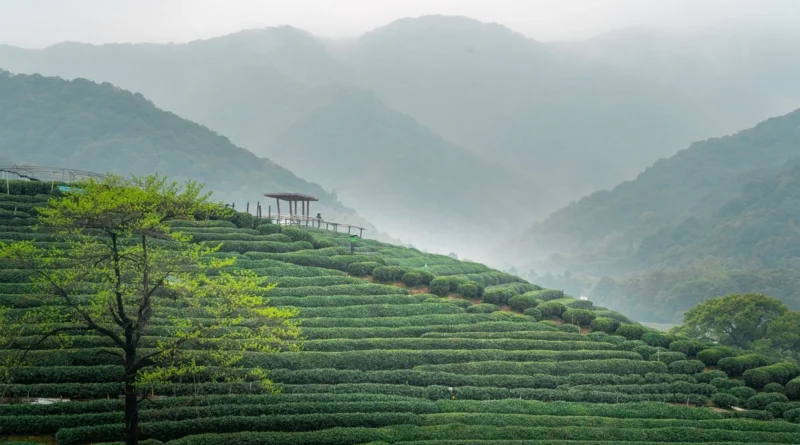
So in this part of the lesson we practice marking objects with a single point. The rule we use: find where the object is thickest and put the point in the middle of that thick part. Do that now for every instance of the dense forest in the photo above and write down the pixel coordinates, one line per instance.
(717, 218)
(80, 124)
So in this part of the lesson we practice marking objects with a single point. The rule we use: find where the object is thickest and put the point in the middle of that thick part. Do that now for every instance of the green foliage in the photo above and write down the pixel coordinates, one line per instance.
(608, 325)
(713, 355)
(774, 387)
(470, 290)
(723, 400)
(483, 308)
(792, 415)
(551, 309)
(735, 366)
(362, 269)
(571, 328)
(534, 312)
(298, 234)
(388, 274)
(268, 229)
(735, 320)
(441, 286)
(689, 367)
(581, 317)
(743, 393)
(658, 339)
(631, 331)
(760, 401)
(522, 302)
(780, 373)
(546, 294)
(579, 304)
(726, 383)
(793, 389)
(498, 296)
(688, 347)
(417, 277)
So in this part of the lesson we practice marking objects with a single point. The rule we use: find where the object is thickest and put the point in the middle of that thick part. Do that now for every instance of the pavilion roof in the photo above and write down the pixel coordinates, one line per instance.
(291, 196)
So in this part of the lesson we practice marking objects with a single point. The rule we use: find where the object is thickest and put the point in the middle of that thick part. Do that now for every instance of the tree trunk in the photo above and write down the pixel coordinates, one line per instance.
(131, 405)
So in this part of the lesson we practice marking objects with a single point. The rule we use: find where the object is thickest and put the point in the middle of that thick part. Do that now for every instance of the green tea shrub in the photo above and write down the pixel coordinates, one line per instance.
(774, 387)
(483, 308)
(793, 389)
(570, 328)
(416, 278)
(712, 356)
(760, 401)
(778, 373)
(470, 290)
(604, 324)
(793, 415)
(723, 400)
(533, 312)
(668, 357)
(362, 269)
(690, 367)
(495, 295)
(581, 317)
(298, 234)
(778, 408)
(631, 331)
(743, 393)
(244, 220)
(755, 414)
(388, 274)
(546, 294)
(441, 286)
(688, 347)
(323, 243)
(735, 366)
(646, 351)
(522, 302)
(551, 309)
(268, 229)
(579, 304)
(657, 339)
(726, 383)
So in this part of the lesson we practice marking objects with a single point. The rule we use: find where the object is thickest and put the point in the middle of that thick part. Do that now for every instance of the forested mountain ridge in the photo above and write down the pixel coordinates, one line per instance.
(694, 183)
(84, 125)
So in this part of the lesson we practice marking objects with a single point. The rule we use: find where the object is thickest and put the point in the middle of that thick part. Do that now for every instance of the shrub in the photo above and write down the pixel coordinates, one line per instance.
(793, 389)
(551, 309)
(735, 366)
(579, 304)
(580, 317)
(742, 393)
(723, 400)
(533, 312)
(441, 286)
(608, 325)
(688, 347)
(657, 339)
(631, 331)
(244, 220)
(646, 351)
(497, 296)
(755, 414)
(778, 408)
(726, 383)
(668, 357)
(522, 302)
(483, 308)
(712, 356)
(774, 387)
(297, 234)
(323, 244)
(708, 376)
(793, 415)
(388, 274)
(416, 278)
(470, 290)
(362, 269)
(686, 367)
(571, 328)
(268, 229)
(760, 401)
(546, 294)
(778, 373)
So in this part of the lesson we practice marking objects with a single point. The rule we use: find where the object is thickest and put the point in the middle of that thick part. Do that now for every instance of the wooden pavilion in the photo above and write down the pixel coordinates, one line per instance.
(293, 199)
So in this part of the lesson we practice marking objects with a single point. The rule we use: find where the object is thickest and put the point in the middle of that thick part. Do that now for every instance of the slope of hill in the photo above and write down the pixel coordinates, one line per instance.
(693, 183)
(399, 174)
(80, 124)
(384, 363)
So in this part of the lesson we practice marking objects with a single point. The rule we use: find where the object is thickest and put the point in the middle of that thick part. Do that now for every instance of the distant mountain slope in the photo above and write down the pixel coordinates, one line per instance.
(694, 183)
(400, 174)
(81, 124)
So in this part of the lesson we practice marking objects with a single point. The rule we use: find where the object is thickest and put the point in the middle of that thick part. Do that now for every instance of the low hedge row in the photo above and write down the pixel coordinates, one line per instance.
(597, 363)
(467, 344)
(781, 373)
(735, 366)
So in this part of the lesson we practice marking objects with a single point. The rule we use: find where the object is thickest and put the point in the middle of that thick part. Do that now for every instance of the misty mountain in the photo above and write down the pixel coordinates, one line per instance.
(694, 183)
(397, 171)
(100, 127)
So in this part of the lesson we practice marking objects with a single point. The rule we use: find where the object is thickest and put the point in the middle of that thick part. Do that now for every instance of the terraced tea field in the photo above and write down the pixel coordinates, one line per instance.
(400, 347)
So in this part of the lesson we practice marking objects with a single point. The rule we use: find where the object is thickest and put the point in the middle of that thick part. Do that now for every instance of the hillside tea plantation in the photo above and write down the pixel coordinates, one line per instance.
(398, 347)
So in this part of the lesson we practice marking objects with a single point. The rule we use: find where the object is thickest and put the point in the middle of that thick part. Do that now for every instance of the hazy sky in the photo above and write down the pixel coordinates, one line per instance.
(36, 23)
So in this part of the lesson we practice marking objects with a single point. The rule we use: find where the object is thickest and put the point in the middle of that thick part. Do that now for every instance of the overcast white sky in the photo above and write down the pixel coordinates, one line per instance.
(37, 23)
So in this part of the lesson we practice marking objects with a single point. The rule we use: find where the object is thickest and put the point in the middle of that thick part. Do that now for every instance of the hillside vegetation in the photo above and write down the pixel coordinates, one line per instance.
(99, 127)
(399, 347)
(716, 218)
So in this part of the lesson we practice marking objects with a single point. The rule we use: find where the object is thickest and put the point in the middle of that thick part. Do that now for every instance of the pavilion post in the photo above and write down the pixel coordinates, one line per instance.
(361, 233)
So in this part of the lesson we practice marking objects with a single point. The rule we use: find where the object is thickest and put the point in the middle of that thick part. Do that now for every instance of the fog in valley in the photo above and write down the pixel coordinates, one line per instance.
(579, 144)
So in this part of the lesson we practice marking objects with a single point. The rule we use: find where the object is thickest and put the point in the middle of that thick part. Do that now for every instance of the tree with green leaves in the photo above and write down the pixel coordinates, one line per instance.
(121, 251)
(783, 334)
(734, 320)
